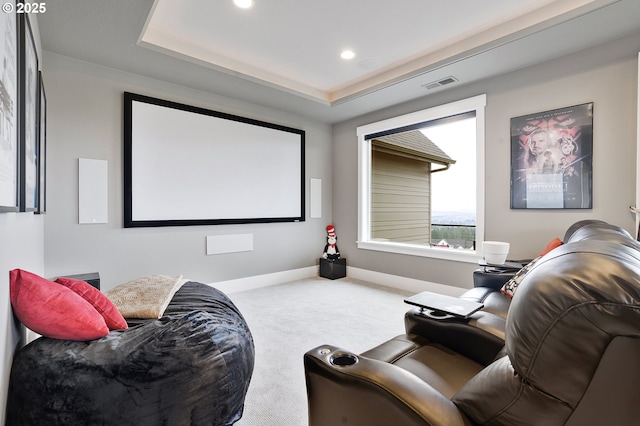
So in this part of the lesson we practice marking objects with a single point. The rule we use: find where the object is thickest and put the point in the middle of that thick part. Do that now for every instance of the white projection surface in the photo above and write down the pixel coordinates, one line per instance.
(188, 167)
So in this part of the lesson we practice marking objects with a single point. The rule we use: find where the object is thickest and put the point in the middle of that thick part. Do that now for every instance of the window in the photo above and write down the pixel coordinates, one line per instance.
(421, 182)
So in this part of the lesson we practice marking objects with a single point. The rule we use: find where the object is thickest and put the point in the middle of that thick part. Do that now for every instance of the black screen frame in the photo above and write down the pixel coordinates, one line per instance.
(129, 166)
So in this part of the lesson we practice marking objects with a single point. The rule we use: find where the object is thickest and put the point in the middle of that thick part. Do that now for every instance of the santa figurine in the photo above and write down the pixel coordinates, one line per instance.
(331, 251)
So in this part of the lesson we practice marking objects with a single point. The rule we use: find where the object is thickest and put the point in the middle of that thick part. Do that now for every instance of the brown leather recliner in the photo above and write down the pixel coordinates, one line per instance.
(570, 354)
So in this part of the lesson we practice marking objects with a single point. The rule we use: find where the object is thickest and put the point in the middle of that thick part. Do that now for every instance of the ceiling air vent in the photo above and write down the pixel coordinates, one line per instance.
(440, 83)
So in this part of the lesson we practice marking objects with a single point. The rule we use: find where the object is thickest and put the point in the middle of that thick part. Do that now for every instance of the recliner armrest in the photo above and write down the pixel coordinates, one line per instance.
(371, 392)
(469, 340)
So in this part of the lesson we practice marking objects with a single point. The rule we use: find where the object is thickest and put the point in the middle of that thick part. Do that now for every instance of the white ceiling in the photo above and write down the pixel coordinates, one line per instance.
(285, 53)
(296, 44)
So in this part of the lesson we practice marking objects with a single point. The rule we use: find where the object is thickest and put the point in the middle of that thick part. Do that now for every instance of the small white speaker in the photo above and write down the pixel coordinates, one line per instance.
(92, 191)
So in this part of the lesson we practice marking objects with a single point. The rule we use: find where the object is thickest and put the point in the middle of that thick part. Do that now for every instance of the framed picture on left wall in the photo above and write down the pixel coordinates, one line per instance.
(42, 147)
(9, 171)
(29, 121)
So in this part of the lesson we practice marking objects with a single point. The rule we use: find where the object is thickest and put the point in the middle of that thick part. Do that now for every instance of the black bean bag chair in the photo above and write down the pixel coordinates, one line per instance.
(191, 367)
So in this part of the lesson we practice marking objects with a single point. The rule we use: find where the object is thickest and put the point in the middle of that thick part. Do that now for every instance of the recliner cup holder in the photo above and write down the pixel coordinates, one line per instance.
(436, 315)
(343, 360)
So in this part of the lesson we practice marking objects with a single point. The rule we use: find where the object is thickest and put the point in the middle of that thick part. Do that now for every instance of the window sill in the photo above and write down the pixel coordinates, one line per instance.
(458, 255)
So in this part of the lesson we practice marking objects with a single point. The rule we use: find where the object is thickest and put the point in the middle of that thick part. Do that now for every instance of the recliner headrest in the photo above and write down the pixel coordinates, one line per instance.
(568, 308)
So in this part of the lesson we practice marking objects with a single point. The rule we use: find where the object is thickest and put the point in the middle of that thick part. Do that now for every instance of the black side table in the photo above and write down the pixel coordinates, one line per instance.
(333, 269)
(495, 276)
(92, 278)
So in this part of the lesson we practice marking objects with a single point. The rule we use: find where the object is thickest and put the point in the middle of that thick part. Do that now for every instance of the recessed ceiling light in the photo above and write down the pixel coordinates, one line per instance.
(348, 54)
(243, 4)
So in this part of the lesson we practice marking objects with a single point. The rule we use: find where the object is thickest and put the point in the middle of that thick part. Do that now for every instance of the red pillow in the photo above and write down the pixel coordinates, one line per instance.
(509, 288)
(53, 310)
(553, 244)
(112, 316)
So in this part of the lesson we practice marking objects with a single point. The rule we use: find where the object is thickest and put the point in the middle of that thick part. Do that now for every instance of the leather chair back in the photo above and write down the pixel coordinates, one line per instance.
(572, 341)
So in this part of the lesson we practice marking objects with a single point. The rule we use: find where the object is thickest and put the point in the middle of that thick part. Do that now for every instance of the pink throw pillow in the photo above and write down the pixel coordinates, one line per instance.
(555, 243)
(53, 310)
(112, 316)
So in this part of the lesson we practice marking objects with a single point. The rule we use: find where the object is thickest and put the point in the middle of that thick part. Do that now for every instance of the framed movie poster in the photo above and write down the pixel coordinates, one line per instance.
(9, 113)
(551, 159)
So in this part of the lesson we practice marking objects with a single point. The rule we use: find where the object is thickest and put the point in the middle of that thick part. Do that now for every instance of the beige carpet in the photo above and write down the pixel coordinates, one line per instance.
(289, 319)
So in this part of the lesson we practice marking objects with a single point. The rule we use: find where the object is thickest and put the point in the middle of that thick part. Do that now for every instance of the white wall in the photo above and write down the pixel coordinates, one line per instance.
(22, 247)
(85, 120)
(605, 75)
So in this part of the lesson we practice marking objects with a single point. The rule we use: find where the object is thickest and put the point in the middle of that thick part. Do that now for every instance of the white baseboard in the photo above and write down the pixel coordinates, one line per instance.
(266, 280)
(402, 283)
(386, 280)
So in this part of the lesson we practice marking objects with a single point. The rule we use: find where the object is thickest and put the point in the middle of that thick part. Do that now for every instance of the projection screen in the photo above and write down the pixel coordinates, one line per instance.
(185, 165)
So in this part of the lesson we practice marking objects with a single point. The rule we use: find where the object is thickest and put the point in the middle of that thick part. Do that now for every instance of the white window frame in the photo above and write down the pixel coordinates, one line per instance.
(477, 104)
